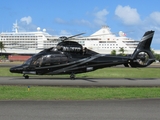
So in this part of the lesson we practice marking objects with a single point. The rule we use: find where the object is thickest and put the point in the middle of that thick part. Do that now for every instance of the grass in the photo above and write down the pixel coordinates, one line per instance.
(124, 73)
(104, 73)
(78, 93)
(74, 93)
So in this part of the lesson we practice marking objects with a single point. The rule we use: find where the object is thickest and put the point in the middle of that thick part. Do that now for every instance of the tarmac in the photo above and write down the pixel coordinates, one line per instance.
(81, 82)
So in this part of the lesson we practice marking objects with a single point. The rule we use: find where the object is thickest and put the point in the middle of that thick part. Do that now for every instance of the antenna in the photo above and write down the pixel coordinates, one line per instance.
(15, 27)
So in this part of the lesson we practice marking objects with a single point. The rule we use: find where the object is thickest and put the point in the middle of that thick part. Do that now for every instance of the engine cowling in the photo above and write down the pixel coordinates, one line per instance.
(70, 46)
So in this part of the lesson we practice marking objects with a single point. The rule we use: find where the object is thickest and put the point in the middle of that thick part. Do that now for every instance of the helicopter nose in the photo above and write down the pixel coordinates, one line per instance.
(12, 69)
(17, 69)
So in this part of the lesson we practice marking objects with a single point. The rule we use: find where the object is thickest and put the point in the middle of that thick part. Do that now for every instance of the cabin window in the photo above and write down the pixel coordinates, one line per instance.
(37, 62)
(47, 60)
(59, 59)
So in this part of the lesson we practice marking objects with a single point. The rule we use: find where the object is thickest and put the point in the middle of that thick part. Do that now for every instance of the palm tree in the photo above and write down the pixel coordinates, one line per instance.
(113, 52)
(121, 50)
(2, 47)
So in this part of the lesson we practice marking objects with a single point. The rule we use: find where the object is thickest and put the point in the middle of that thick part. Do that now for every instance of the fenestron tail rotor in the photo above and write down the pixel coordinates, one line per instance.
(142, 58)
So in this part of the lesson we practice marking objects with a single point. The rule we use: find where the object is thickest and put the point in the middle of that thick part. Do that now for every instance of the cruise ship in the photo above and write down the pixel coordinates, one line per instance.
(17, 42)
(103, 41)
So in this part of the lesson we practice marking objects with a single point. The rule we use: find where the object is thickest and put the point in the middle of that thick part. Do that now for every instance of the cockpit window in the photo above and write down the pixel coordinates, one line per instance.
(28, 61)
(51, 59)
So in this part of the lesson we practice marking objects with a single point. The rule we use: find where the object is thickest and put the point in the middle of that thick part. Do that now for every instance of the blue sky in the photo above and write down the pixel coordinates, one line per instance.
(69, 17)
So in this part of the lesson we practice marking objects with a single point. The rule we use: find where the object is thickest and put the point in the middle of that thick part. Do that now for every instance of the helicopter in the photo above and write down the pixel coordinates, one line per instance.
(69, 57)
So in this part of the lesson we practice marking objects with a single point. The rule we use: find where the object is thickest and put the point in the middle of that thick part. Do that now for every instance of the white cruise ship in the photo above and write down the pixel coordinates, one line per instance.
(102, 41)
(26, 42)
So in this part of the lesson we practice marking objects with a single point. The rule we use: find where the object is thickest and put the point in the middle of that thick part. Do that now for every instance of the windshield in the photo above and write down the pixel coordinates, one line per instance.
(28, 61)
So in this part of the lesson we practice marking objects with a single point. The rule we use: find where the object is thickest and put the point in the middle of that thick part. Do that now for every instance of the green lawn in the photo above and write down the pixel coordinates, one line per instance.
(76, 93)
(89, 93)
(105, 73)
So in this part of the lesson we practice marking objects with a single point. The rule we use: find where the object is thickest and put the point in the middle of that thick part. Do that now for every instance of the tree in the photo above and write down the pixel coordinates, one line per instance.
(2, 47)
(121, 50)
(2, 57)
(157, 56)
(113, 52)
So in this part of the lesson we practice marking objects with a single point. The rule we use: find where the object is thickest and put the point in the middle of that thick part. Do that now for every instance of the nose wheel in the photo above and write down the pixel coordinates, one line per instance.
(25, 76)
(72, 76)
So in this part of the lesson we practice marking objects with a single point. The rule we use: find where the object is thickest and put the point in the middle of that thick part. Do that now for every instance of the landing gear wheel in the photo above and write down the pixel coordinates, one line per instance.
(26, 76)
(72, 76)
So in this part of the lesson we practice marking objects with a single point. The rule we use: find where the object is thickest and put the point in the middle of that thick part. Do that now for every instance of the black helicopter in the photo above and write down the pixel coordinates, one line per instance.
(69, 57)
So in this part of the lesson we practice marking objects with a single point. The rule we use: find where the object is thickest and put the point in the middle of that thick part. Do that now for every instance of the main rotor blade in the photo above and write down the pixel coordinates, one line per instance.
(75, 35)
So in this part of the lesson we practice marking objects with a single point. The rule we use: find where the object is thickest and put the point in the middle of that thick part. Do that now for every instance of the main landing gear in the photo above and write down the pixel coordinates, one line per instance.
(25, 76)
(72, 76)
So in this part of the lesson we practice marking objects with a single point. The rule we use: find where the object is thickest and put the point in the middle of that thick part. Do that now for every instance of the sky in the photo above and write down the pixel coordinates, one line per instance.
(70, 17)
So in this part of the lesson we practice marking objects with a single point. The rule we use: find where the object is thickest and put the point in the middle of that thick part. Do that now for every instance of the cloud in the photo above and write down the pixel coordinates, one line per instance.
(59, 20)
(64, 32)
(128, 15)
(155, 16)
(82, 22)
(100, 17)
(28, 19)
(25, 24)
